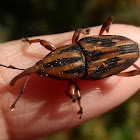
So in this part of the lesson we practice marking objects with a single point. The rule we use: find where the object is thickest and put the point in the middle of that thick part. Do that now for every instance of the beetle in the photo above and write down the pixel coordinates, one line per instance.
(90, 58)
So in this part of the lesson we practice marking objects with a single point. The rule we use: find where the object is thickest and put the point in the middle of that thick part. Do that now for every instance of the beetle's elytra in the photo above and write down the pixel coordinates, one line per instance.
(90, 58)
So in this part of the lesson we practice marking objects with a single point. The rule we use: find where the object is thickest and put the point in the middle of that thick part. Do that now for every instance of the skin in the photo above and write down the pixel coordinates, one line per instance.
(44, 108)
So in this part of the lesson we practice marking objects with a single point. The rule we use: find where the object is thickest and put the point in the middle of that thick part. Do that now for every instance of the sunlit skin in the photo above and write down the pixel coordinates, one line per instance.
(44, 108)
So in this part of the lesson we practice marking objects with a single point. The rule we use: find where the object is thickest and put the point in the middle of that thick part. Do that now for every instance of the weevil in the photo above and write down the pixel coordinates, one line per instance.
(90, 58)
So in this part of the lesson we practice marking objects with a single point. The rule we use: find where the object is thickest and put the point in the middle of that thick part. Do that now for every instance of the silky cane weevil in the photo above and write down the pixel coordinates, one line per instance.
(90, 58)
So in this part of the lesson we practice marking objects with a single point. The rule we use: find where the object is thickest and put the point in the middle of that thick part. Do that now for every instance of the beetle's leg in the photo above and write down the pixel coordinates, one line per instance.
(74, 93)
(130, 73)
(44, 43)
(77, 34)
(106, 25)
(71, 90)
(78, 97)
(11, 67)
(85, 31)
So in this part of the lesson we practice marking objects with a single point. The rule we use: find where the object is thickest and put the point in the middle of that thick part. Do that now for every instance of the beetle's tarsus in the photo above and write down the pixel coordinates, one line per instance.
(86, 31)
(74, 93)
(26, 40)
(80, 112)
(78, 32)
(73, 100)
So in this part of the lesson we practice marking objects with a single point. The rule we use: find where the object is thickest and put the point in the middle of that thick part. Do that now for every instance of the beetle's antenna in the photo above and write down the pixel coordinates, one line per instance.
(22, 91)
(26, 72)
(11, 67)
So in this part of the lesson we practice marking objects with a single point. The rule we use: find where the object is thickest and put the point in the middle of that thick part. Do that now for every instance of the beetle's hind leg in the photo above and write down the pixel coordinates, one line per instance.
(106, 25)
(130, 73)
(48, 45)
(74, 93)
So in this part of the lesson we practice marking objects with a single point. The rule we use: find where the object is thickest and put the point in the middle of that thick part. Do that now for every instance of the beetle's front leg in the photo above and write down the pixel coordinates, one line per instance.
(74, 93)
(48, 45)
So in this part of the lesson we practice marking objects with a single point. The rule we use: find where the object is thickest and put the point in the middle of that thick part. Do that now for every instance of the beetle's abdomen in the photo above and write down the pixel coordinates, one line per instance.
(107, 55)
(66, 62)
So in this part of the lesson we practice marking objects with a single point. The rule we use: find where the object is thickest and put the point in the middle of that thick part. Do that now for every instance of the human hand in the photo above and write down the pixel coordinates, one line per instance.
(44, 109)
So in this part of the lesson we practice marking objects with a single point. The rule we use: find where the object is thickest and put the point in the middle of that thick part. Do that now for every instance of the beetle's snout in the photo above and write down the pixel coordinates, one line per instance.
(26, 72)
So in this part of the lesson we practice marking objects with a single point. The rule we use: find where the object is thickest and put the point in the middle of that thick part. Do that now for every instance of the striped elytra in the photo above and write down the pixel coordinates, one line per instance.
(91, 58)
(107, 55)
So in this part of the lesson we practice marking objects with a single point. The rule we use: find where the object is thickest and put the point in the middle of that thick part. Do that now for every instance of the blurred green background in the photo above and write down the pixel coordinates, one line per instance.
(24, 18)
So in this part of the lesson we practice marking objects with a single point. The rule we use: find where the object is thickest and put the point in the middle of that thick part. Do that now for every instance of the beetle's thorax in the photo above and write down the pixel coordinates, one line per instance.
(66, 62)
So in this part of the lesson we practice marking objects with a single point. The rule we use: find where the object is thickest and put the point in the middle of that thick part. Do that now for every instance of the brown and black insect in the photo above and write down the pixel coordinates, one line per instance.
(90, 58)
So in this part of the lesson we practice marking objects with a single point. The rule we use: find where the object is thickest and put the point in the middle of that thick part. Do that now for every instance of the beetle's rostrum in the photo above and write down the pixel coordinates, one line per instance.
(90, 58)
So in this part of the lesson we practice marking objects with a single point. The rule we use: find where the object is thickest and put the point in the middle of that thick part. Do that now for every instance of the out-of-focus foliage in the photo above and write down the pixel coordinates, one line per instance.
(20, 18)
